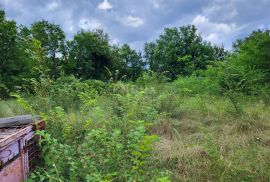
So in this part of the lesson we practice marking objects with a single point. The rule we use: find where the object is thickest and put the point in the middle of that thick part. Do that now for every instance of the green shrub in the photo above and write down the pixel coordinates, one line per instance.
(105, 154)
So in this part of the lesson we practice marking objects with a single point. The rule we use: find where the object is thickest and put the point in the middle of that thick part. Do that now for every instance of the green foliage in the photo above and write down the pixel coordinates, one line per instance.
(105, 139)
(64, 92)
(130, 64)
(18, 60)
(194, 85)
(194, 113)
(89, 54)
(52, 38)
(253, 53)
(3, 91)
(8, 65)
(11, 108)
(180, 52)
(241, 78)
(23, 103)
(151, 78)
(8, 41)
(101, 154)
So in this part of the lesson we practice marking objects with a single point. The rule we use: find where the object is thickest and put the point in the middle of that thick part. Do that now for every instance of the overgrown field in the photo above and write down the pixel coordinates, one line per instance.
(183, 109)
(149, 130)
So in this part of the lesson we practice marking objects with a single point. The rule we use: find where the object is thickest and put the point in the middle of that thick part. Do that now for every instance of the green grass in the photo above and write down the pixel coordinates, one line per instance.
(11, 108)
(209, 142)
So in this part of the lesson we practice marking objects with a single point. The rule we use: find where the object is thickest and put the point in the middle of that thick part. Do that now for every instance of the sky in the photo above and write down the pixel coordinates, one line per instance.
(138, 21)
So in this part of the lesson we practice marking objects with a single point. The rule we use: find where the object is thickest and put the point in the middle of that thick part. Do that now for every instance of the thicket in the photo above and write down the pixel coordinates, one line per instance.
(184, 110)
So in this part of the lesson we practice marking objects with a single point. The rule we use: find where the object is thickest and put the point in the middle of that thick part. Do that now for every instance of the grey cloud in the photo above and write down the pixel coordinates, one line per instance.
(138, 21)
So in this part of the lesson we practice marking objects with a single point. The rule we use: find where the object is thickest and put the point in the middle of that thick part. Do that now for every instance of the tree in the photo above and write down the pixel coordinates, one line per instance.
(131, 64)
(89, 55)
(180, 52)
(149, 55)
(29, 56)
(52, 39)
(18, 56)
(253, 52)
(247, 69)
(7, 47)
(8, 33)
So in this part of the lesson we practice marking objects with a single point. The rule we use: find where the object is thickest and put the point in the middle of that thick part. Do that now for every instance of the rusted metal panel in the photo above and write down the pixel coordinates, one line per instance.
(8, 135)
(9, 153)
(25, 152)
(39, 125)
(18, 151)
(13, 172)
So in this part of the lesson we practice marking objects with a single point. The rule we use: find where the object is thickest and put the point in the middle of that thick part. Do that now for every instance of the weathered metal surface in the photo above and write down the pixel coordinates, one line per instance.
(9, 153)
(8, 135)
(15, 121)
(13, 172)
(18, 151)
(32, 157)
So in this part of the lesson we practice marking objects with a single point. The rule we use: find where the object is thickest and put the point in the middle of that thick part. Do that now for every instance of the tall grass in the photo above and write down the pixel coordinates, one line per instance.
(11, 108)
(210, 142)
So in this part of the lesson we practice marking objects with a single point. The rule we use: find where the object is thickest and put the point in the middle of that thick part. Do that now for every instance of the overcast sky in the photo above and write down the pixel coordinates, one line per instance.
(138, 21)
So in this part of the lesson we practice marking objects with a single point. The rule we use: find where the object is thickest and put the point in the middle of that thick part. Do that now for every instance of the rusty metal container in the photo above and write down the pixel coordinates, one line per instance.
(18, 151)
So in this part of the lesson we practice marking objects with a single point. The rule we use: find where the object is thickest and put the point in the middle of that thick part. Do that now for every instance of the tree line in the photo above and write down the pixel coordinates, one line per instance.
(43, 50)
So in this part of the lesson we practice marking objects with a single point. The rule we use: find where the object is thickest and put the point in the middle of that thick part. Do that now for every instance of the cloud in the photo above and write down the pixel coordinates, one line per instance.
(204, 23)
(217, 9)
(156, 3)
(91, 24)
(132, 21)
(212, 37)
(105, 5)
(115, 41)
(138, 21)
(53, 5)
(214, 32)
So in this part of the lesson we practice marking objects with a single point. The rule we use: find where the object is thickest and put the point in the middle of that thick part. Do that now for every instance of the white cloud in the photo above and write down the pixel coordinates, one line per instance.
(105, 5)
(212, 37)
(203, 22)
(199, 19)
(115, 41)
(68, 23)
(71, 29)
(53, 5)
(157, 3)
(132, 21)
(91, 24)
(213, 31)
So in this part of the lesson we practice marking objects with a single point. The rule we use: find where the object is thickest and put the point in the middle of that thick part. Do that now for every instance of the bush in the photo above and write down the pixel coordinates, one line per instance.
(196, 85)
(64, 92)
(95, 144)
(104, 154)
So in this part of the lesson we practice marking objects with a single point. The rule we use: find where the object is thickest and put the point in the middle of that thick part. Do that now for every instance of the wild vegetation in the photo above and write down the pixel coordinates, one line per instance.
(184, 110)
